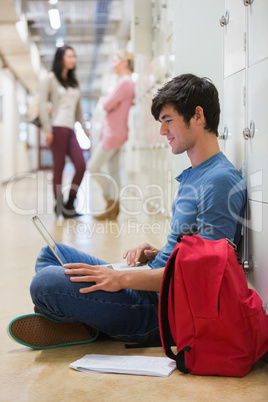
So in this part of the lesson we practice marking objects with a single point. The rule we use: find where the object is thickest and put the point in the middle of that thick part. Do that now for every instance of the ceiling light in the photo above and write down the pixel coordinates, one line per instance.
(54, 18)
(59, 42)
(53, 2)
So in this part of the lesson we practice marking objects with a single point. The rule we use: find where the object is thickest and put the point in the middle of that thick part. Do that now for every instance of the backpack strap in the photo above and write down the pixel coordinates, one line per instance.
(180, 359)
(191, 232)
(163, 308)
(165, 329)
(163, 312)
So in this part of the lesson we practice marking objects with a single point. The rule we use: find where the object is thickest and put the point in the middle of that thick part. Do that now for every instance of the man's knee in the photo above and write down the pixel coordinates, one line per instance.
(45, 257)
(47, 281)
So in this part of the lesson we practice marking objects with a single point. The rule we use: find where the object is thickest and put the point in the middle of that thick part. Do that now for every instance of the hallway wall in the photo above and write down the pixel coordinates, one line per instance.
(17, 154)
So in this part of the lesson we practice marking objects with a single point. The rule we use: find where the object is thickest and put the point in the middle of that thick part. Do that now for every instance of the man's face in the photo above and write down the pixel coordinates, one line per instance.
(179, 135)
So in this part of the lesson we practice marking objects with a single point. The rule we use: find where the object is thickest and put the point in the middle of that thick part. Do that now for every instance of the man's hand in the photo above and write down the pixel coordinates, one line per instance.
(142, 253)
(109, 280)
(104, 278)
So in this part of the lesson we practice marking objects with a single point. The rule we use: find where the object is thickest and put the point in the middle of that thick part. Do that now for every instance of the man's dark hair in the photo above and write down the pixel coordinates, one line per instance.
(185, 93)
(57, 68)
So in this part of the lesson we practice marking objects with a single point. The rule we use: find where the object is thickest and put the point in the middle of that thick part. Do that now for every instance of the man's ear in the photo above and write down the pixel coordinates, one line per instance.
(199, 115)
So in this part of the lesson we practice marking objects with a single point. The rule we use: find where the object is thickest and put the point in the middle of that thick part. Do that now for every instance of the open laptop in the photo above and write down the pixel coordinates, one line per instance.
(121, 266)
(49, 240)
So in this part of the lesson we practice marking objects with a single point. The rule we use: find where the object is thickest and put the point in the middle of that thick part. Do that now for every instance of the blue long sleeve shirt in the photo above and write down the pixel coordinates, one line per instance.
(211, 198)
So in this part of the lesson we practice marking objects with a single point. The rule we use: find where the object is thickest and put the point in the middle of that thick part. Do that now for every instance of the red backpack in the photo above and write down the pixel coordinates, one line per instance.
(217, 323)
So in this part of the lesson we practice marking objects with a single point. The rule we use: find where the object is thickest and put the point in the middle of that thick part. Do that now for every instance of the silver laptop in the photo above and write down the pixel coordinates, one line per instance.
(121, 266)
(48, 239)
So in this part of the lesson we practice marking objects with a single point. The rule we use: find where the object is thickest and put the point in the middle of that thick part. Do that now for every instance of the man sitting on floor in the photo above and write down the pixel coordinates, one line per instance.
(88, 297)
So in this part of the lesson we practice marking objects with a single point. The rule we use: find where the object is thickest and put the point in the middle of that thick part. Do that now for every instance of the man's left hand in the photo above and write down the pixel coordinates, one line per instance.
(101, 277)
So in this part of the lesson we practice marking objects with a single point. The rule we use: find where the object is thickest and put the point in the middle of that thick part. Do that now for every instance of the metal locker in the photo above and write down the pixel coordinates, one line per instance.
(257, 157)
(257, 249)
(234, 24)
(232, 143)
(257, 31)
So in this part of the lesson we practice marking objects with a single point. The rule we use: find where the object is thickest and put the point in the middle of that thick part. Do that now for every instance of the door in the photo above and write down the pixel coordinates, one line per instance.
(234, 105)
(234, 37)
(257, 121)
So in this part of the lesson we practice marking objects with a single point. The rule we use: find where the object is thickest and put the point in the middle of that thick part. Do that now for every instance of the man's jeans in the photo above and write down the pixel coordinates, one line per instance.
(127, 315)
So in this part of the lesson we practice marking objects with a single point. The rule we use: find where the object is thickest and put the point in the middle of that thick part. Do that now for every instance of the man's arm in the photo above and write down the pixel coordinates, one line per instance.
(149, 280)
(109, 280)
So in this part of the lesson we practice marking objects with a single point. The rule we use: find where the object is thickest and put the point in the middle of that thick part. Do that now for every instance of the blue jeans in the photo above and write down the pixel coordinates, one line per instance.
(127, 315)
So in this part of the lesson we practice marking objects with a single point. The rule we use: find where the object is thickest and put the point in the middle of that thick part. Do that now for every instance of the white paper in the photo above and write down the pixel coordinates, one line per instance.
(137, 365)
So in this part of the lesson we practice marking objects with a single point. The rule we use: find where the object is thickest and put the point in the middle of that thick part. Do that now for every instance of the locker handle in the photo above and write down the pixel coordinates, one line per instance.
(224, 135)
(249, 132)
(248, 2)
(224, 20)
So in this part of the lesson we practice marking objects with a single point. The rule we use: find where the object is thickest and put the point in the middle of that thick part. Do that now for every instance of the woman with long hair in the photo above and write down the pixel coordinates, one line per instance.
(61, 89)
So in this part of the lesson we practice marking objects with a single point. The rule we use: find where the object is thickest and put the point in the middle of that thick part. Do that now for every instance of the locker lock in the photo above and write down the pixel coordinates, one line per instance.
(249, 132)
(224, 20)
(248, 2)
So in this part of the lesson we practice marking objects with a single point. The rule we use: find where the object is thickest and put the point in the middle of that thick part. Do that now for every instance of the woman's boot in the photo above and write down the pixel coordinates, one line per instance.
(59, 205)
(111, 212)
(68, 210)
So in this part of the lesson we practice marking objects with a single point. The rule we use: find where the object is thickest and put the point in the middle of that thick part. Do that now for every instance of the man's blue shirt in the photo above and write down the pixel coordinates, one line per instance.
(211, 198)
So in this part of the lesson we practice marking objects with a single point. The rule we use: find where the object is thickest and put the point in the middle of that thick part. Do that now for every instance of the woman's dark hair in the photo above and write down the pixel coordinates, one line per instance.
(57, 68)
(185, 93)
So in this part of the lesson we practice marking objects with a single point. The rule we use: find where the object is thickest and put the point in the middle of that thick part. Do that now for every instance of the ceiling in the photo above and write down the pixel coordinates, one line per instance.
(94, 28)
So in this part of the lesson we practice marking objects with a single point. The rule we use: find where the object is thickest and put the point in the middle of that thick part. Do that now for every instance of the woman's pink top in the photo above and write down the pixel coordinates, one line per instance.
(117, 105)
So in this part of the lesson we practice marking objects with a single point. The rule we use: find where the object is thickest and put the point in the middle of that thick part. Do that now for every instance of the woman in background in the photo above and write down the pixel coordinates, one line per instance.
(114, 134)
(61, 88)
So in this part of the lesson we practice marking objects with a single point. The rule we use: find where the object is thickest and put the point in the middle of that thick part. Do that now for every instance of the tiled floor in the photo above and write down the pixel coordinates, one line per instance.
(30, 375)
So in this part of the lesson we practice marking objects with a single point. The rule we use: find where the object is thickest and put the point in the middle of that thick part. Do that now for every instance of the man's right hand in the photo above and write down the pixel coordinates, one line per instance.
(143, 253)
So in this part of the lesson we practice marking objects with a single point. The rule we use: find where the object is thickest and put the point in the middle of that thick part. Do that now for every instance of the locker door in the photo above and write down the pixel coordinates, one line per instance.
(258, 251)
(233, 118)
(141, 27)
(234, 37)
(258, 31)
(258, 145)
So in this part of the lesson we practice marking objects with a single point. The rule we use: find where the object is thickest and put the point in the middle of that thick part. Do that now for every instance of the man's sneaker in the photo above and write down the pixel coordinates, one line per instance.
(40, 332)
